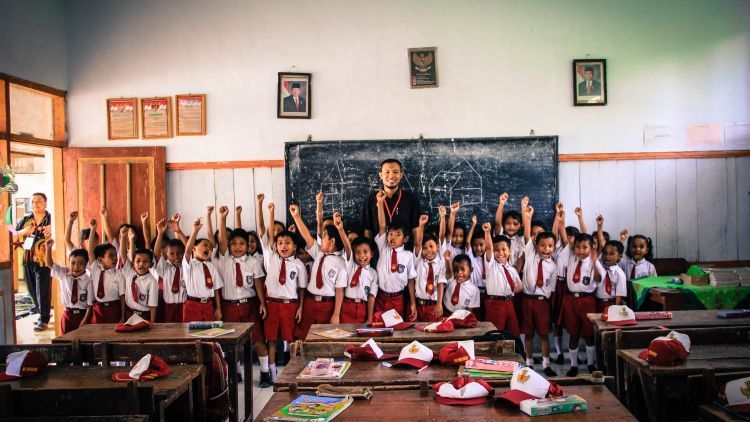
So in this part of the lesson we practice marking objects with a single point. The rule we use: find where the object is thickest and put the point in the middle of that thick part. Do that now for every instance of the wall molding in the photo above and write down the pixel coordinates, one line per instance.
(204, 165)
(614, 156)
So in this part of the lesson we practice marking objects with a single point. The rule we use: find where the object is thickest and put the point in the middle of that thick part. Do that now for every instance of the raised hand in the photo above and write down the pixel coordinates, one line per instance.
(338, 222)
(423, 219)
(161, 226)
(503, 199)
(524, 202)
(294, 210)
(73, 216)
(238, 208)
(319, 198)
(197, 224)
(210, 209)
(441, 210)
(473, 219)
(49, 242)
(600, 221)
(487, 227)
(144, 217)
(380, 196)
(579, 211)
(260, 197)
(104, 212)
(455, 207)
(223, 211)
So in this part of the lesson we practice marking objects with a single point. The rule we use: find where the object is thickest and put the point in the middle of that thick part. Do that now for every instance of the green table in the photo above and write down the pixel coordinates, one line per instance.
(699, 297)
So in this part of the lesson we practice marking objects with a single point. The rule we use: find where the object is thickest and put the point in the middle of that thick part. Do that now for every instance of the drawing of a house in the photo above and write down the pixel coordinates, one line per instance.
(332, 187)
(460, 183)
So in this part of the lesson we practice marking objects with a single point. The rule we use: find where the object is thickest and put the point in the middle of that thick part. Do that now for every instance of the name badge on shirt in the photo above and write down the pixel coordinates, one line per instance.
(586, 281)
(332, 273)
(401, 268)
(249, 279)
(141, 297)
(82, 297)
(367, 290)
(292, 275)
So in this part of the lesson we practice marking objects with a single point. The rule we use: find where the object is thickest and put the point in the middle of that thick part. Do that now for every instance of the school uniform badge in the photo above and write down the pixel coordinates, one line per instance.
(401, 268)
(332, 273)
(292, 275)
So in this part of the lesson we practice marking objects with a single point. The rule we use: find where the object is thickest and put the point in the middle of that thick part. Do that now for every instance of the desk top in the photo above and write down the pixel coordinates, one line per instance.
(410, 405)
(402, 336)
(159, 332)
(680, 319)
(719, 357)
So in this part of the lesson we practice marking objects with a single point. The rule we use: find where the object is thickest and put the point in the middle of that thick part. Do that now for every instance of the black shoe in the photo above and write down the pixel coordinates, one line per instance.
(572, 372)
(549, 372)
(33, 310)
(537, 359)
(287, 358)
(239, 376)
(265, 380)
(592, 368)
(560, 359)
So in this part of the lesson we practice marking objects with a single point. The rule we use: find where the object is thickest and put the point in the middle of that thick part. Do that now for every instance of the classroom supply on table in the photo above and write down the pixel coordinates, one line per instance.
(328, 390)
(212, 332)
(204, 325)
(648, 316)
(374, 332)
(335, 333)
(478, 373)
(738, 313)
(552, 406)
(324, 368)
(311, 408)
(482, 364)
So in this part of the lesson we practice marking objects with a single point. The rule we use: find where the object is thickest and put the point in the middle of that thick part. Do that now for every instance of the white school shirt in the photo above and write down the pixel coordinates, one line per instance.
(250, 269)
(517, 246)
(334, 272)
(195, 280)
(587, 271)
(448, 246)
(618, 279)
(394, 282)
(423, 269)
(166, 271)
(497, 282)
(146, 285)
(643, 268)
(85, 287)
(296, 273)
(478, 267)
(468, 297)
(530, 269)
(563, 259)
(367, 284)
(113, 282)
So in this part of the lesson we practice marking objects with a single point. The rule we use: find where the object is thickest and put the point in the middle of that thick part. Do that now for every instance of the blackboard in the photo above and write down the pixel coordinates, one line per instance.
(474, 171)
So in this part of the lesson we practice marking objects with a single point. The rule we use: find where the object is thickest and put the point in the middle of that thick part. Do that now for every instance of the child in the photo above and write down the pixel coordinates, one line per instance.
(460, 295)
(581, 280)
(509, 224)
(539, 276)
(456, 233)
(141, 291)
(76, 289)
(476, 251)
(612, 290)
(285, 279)
(360, 293)
(431, 280)
(202, 280)
(84, 236)
(169, 269)
(637, 264)
(109, 305)
(503, 283)
(395, 266)
(324, 292)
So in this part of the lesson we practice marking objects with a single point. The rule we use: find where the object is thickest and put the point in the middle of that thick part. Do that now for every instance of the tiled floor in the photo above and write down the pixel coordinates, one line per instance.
(260, 396)
(25, 333)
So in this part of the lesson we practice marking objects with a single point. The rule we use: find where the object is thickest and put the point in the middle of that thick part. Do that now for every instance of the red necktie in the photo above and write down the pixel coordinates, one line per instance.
(207, 276)
(100, 289)
(282, 272)
(456, 292)
(509, 278)
(394, 261)
(632, 272)
(161, 283)
(355, 277)
(588, 88)
(431, 281)
(134, 289)
(238, 274)
(176, 280)
(484, 270)
(74, 292)
(319, 273)
(296, 103)
(540, 275)
(577, 273)
(608, 284)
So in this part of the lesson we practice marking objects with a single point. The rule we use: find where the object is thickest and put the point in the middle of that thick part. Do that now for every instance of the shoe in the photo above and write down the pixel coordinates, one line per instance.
(592, 368)
(265, 380)
(287, 358)
(41, 327)
(537, 359)
(239, 377)
(33, 310)
(549, 372)
(560, 359)
(572, 372)
(37, 323)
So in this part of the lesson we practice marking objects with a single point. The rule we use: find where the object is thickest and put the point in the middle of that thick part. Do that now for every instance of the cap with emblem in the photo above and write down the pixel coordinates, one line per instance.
(390, 319)
(619, 315)
(148, 368)
(527, 384)
(667, 350)
(23, 364)
(437, 327)
(462, 391)
(463, 319)
(134, 323)
(736, 395)
(369, 350)
(456, 352)
(415, 354)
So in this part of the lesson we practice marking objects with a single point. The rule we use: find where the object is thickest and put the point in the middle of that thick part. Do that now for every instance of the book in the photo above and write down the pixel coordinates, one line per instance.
(737, 313)
(492, 365)
(312, 408)
(554, 405)
(334, 333)
(324, 369)
(212, 332)
(474, 373)
(642, 316)
(374, 332)
(204, 325)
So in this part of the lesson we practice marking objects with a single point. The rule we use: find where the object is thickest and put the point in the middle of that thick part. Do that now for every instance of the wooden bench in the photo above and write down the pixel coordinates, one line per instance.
(715, 413)
(55, 353)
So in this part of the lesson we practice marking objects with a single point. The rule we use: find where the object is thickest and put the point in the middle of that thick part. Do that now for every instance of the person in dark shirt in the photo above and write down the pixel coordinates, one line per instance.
(399, 203)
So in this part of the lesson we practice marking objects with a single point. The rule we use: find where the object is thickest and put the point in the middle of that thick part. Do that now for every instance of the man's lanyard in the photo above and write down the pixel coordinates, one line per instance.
(395, 207)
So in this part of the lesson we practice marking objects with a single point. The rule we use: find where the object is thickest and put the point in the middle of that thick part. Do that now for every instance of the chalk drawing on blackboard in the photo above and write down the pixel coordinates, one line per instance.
(460, 183)
(333, 186)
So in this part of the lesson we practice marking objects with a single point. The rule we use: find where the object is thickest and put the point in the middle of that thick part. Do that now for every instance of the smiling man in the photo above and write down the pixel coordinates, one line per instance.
(399, 204)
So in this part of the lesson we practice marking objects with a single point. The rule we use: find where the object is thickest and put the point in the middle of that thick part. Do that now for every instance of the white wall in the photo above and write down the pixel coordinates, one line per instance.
(32, 41)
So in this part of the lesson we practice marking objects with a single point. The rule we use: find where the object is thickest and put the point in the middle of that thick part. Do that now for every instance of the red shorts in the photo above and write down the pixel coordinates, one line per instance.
(279, 319)
(556, 300)
(536, 316)
(383, 303)
(196, 311)
(160, 308)
(313, 312)
(503, 315)
(353, 312)
(244, 312)
(426, 313)
(574, 315)
(482, 311)
(601, 305)
(106, 314)
(71, 319)
(518, 306)
(172, 312)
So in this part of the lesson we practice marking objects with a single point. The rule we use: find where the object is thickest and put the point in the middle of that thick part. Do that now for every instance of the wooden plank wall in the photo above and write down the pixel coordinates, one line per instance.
(697, 209)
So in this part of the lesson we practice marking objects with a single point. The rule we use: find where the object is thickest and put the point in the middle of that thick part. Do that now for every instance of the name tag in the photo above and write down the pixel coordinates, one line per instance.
(29, 242)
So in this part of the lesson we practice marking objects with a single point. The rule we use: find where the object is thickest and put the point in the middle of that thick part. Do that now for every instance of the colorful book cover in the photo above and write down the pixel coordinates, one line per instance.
(334, 333)
(552, 406)
(212, 332)
(312, 408)
(492, 365)
(462, 371)
(335, 370)
(374, 332)
(643, 316)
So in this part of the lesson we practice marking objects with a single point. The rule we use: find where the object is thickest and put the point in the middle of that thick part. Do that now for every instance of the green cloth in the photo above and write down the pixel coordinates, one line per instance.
(695, 270)
(710, 297)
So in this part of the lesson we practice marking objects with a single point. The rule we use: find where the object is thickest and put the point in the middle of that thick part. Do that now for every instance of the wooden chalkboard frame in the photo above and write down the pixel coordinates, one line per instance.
(308, 213)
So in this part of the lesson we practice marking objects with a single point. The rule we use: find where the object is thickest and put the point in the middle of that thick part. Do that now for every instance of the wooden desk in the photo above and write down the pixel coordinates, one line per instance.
(670, 299)
(679, 389)
(412, 406)
(400, 336)
(178, 332)
(184, 383)
(714, 413)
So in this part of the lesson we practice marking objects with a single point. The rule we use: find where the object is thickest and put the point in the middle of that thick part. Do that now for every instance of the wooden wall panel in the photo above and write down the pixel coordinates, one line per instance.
(625, 185)
(712, 209)
(263, 184)
(140, 198)
(278, 186)
(645, 198)
(590, 204)
(666, 209)
(115, 193)
(742, 170)
(224, 193)
(244, 196)
(687, 209)
(570, 190)
(174, 196)
(90, 203)
(608, 200)
(731, 234)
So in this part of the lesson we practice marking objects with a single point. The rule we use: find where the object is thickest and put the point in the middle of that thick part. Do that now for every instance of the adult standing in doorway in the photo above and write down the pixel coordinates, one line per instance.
(399, 204)
(33, 229)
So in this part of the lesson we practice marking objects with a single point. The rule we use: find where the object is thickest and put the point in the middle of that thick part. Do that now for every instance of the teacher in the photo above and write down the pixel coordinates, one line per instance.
(31, 232)
(399, 204)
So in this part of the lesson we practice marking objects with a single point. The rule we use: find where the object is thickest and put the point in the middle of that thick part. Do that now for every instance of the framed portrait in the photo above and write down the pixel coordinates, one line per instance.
(191, 114)
(423, 67)
(122, 118)
(590, 82)
(156, 117)
(294, 96)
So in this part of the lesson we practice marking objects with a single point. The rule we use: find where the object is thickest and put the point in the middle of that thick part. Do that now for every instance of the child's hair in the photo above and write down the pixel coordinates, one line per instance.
(571, 231)
(353, 227)
(649, 255)
(511, 214)
(164, 239)
(398, 224)
(461, 258)
(327, 218)
(390, 161)
(238, 233)
(545, 235)
(478, 235)
(201, 240)
(500, 239)
(254, 235)
(606, 235)
(144, 251)
(101, 250)
(216, 234)
(333, 233)
(80, 253)
(583, 237)
(290, 235)
(429, 236)
(432, 229)
(85, 234)
(616, 244)
(299, 241)
(283, 226)
(538, 223)
(176, 243)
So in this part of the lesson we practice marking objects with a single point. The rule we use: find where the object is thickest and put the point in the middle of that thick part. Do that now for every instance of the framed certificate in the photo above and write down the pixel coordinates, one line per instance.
(156, 117)
(191, 114)
(122, 118)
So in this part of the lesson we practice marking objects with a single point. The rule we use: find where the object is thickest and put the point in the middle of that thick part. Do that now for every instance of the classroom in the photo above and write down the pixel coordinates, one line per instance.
(296, 210)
